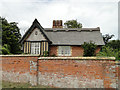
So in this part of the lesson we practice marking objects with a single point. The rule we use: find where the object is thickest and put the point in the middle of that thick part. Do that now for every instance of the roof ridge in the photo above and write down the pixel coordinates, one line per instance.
(72, 29)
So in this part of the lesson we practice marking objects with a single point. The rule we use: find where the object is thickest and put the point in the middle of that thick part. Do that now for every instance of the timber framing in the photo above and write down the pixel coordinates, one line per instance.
(35, 24)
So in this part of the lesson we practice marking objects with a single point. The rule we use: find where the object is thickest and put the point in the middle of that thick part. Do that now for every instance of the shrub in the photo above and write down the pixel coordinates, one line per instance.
(109, 52)
(45, 53)
(89, 48)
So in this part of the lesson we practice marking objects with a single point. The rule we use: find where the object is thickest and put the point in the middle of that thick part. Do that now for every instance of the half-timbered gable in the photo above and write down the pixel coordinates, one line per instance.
(35, 41)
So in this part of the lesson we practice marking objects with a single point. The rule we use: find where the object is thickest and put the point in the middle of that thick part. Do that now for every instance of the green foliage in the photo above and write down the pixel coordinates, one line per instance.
(0, 32)
(89, 48)
(0, 49)
(4, 49)
(10, 35)
(46, 53)
(109, 52)
(6, 46)
(72, 24)
(114, 44)
(111, 49)
(21, 86)
(107, 37)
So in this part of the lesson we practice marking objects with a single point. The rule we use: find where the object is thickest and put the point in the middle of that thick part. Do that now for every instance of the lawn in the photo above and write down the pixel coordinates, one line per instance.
(6, 84)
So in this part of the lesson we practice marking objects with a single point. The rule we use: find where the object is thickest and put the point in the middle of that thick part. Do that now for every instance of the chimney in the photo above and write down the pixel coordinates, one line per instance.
(57, 24)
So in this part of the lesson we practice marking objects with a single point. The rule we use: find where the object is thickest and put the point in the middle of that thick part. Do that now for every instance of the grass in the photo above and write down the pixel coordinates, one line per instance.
(6, 84)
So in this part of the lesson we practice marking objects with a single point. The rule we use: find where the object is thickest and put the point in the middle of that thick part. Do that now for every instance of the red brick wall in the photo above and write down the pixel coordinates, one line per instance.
(89, 73)
(118, 73)
(76, 50)
(17, 64)
(17, 68)
(64, 73)
(53, 50)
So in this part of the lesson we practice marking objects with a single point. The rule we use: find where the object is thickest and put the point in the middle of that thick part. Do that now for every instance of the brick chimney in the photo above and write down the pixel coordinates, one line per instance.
(57, 24)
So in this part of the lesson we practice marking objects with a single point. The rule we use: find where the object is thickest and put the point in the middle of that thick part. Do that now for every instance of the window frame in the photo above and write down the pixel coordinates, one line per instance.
(64, 51)
(35, 48)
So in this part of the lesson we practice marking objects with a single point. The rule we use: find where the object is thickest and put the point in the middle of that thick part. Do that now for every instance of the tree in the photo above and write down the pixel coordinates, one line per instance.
(111, 49)
(0, 32)
(72, 24)
(114, 44)
(10, 35)
(4, 49)
(109, 52)
(89, 48)
(107, 37)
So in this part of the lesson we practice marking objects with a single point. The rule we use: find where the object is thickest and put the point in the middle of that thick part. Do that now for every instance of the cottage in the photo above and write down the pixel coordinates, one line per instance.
(59, 41)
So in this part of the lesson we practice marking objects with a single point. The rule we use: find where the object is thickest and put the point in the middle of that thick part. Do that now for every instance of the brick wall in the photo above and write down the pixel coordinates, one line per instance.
(76, 50)
(53, 50)
(76, 73)
(63, 72)
(16, 68)
(118, 73)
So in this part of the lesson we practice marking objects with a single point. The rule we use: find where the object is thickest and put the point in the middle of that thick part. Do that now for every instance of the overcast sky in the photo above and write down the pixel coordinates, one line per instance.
(91, 13)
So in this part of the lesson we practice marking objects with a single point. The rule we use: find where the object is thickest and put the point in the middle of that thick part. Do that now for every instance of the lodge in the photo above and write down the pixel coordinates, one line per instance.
(59, 41)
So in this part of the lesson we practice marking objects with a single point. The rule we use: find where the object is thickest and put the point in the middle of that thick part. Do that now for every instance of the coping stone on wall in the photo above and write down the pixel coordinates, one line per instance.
(78, 58)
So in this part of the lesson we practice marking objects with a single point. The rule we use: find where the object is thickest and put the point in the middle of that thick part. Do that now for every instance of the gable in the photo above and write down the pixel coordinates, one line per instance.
(36, 35)
(29, 35)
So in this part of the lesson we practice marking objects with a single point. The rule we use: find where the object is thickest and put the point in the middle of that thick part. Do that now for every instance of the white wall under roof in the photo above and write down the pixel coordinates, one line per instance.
(34, 37)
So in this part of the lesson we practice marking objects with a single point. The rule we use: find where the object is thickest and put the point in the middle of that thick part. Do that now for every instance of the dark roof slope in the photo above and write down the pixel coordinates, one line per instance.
(74, 36)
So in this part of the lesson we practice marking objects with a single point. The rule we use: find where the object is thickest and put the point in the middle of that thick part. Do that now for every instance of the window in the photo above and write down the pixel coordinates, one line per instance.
(35, 48)
(64, 51)
(36, 32)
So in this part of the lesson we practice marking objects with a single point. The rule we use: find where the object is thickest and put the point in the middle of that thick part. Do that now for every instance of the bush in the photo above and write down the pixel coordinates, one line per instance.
(89, 48)
(109, 52)
(46, 53)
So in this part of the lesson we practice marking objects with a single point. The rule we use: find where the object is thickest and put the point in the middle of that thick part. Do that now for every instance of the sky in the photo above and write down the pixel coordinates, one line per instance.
(91, 13)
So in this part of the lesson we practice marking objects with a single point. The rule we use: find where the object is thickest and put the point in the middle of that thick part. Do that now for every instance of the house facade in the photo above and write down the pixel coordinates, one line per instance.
(59, 41)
